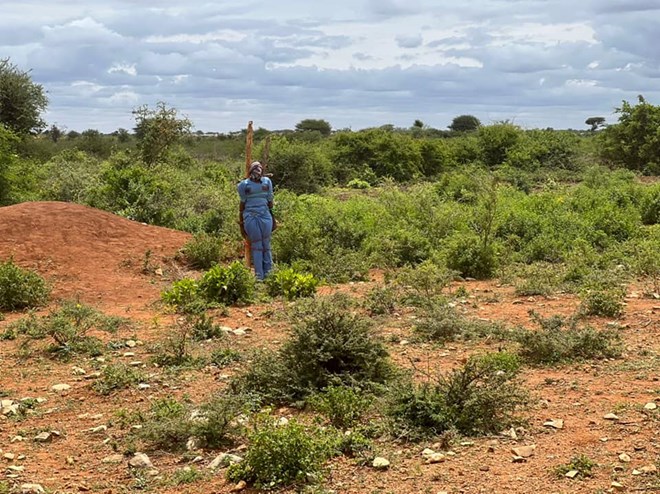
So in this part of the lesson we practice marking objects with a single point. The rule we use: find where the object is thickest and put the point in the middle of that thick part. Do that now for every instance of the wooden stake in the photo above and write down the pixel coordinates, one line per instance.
(248, 162)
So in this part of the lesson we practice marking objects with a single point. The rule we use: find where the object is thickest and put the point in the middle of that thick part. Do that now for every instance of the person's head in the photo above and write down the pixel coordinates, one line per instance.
(256, 171)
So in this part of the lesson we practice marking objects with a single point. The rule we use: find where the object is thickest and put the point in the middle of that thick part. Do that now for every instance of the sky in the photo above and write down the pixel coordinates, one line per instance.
(354, 63)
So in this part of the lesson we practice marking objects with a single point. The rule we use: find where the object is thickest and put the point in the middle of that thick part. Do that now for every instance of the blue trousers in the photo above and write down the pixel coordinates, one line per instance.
(259, 228)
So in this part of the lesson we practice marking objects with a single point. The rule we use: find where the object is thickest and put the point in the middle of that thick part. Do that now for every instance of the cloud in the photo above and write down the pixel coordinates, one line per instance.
(409, 41)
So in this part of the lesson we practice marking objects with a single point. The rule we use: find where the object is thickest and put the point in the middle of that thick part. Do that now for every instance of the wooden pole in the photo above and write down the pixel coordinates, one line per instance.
(248, 162)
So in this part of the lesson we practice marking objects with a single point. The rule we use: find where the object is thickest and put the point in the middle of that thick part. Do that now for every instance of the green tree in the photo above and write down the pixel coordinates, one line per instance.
(465, 123)
(634, 142)
(157, 130)
(8, 142)
(55, 133)
(21, 100)
(595, 122)
(311, 125)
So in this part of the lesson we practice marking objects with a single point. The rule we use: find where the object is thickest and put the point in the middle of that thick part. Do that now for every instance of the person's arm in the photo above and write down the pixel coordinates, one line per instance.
(241, 208)
(270, 204)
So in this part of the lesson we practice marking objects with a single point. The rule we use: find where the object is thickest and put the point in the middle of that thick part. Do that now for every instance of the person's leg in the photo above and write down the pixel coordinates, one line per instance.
(253, 230)
(267, 256)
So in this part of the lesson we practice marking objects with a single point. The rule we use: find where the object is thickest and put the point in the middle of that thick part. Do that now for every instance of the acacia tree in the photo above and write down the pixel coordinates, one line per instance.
(157, 130)
(310, 124)
(595, 122)
(21, 100)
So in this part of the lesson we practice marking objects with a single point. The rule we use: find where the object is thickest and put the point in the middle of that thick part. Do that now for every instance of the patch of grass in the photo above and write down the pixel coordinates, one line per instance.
(116, 377)
(187, 475)
(222, 357)
(604, 303)
(479, 398)
(291, 284)
(560, 340)
(581, 463)
(21, 288)
(424, 283)
(538, 279)
(442, 323)
(203, 251)
(342, 405)
(382, 300)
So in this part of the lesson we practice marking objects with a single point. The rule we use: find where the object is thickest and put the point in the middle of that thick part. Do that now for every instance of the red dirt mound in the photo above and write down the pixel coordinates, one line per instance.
(86, 252)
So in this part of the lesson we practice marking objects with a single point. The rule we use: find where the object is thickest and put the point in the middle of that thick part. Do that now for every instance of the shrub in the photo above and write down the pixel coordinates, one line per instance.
(203, 328)
(174, 351)
(381, 300)
(115, 377)
(222, 357)
(328, 345)
(560, 340)
(470, 257)
(203, 251)
(21, 288)
(342, 405)
(228, 285)
(605, 303)
(443, 323)
(581, 463)
(291, 284)
(185, 296)
(479, 398)
(281, 455)
(424, 283)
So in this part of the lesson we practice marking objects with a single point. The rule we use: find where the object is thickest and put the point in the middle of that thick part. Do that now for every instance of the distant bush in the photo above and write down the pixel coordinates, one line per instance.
(381, 300)
(203, 251)
(185, 296)
(291, 284)
(282, 455)
(115, 377)
(21, 288)
(479, 398)
(605, 302)
(470, 257)
(561, 340)
(423, 284)
(442, 323)
(342, 405)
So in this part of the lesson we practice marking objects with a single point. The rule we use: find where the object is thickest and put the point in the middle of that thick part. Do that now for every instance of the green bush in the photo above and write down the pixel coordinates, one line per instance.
(115, 377)
(423, 284)
(342, 405)
(605, 302)
(21, 288)
(282, 455)
(442, 323)
(185, 296)
(328, 345)
(291, 284)
(479, 398)
(228, 285)
(470, 257)
(381, 300)
(222, 357)
(203, 251)
(581, 463)
(561, 340)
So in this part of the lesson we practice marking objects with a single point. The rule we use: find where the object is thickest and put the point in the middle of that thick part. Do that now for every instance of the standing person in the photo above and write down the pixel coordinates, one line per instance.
(256, 217)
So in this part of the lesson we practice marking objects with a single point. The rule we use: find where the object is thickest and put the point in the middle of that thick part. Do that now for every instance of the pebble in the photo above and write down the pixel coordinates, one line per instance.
(650, 406)
(113, 459)
(649, 469)
(43, 437)
(224, 460)
(571, 474)
(239, 487)
(380, 463)
(617, 486)
(140, 460)
(611, 416)
(100, 428)
(555, 424)
(60, 388)
(143, 386)
(131, 343)
(427, 452)
(436, 458)
(624, 458)
(9, 456)
(524, 451)
(129, 354)
(32, 489)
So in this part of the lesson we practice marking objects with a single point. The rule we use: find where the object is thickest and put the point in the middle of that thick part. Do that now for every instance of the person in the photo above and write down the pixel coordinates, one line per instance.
(256, 218)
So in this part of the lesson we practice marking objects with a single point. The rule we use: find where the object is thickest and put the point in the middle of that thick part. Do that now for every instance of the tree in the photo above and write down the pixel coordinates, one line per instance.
(55, 133)
(634, 142)
(465, 123)
(418, 124)
(122, 135)
(310, 125)
(157, 130)
(595, 123)
(21, 100)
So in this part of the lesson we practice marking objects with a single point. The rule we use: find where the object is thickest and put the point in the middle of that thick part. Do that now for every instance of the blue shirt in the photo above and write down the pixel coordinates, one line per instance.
(256, 195)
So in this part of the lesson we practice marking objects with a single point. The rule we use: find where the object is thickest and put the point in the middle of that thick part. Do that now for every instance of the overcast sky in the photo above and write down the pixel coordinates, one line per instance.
(355, 63)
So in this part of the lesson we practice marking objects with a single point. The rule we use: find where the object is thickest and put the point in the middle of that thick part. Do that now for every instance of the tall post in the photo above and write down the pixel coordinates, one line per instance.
(248, 161)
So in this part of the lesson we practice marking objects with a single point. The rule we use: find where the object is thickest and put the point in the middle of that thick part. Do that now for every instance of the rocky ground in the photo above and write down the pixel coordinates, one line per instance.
(58, 435)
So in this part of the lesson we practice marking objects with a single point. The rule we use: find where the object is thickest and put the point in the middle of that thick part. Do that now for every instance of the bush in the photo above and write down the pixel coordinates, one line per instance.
(21, 288)
(291, 284)
(115, 377)
(328, 345)
(581, 463)
(479, 398)
(605, 303)
(203, 251)
(443, 323)
(424, 283)
(560, 340)
(381, 300)
(185, 296)
(342, 405)
(470, 257)
(281, 455)
(222, 357)
(228, 285)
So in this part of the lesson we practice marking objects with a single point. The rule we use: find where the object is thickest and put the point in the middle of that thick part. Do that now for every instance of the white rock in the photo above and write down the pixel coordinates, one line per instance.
(436, 458)
(624, 457)
(524, 451)
(616, 485)
(78, 371)
(15, 468)
(43, 437)
(113, 459)
(60, 388)
(381, 463)
(100, 428)
(143, 386)
(427, 452)
(611, 416)
(140, 460)
(555, 424)
(131, 343)
(224, 460)
(32, 489)
(572, 474)
(650, 406)
(9, 456)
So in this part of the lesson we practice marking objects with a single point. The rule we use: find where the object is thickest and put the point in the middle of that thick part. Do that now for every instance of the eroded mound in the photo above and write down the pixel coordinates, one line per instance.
(86, 252)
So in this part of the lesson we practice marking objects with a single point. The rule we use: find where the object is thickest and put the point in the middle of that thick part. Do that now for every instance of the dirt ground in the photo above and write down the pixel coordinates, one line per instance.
(121, 267)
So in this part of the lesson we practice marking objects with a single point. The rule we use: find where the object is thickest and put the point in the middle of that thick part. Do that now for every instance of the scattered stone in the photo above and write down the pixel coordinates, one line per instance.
(96, 416)
(226, 329)
(555, 424)
(9, 456)
(192, 444)
(32, 489)
(518, 459)
(524, 451)
(611, 416)
(43, 437)
(70, 460)
(129, 354)
(136, 363)
(624, 458)
(140, 460)
(78, 371)
(467, 443)
(427, 452)
(131, 343)
(636, 472)
(239, 487)
(144, 386)
(113, 459)
(649, 469)
(224, 460)
(93, 375)
(60, 388)
(100, 428)
(436, 458)
(16, 439)
(239, 332)
(484, 468)
(403, 342)
(571, 474)
(282, 421)
(616, 485)
(651, 406)
(381, 463)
